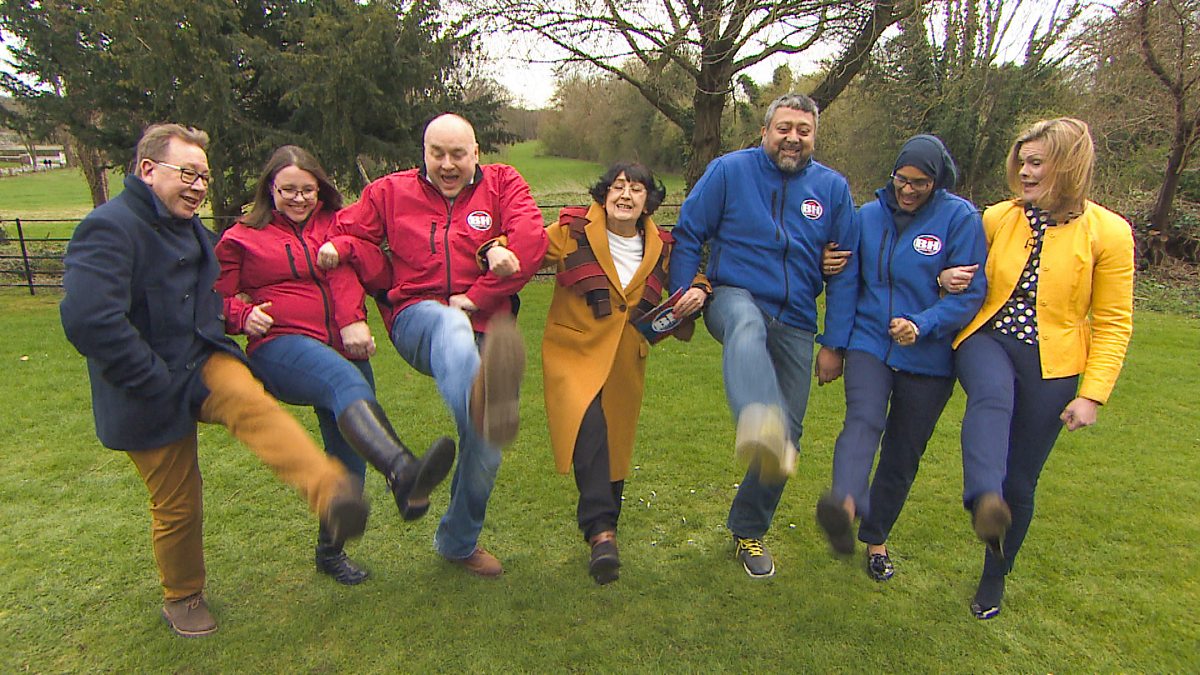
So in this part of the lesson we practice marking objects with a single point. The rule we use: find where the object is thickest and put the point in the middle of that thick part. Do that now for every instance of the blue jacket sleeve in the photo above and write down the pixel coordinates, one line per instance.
(841, 290)
(967, 246)
(96, 305)
(698, 220)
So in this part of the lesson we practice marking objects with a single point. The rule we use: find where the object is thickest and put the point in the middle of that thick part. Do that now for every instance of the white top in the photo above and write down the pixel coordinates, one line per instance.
(627, 255)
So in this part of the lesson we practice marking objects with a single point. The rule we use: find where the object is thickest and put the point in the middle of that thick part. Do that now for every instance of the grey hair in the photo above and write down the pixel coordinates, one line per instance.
(795, 102)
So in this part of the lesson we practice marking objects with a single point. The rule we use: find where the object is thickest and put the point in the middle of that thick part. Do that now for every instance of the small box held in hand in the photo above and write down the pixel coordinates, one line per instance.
(660, 322)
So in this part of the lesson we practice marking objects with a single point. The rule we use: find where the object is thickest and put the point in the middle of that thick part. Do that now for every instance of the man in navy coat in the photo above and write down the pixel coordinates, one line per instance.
(140, 306)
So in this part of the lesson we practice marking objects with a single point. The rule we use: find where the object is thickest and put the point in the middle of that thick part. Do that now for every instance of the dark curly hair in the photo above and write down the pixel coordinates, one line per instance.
(656, 192)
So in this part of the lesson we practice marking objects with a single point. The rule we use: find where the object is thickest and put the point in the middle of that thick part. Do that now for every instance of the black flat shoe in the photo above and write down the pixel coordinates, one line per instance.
(837, 523)
(986, 604)
(880, 567)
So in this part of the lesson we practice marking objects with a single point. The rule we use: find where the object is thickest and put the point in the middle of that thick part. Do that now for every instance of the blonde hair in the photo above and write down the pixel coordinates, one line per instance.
(1070, 156)
(156, 137)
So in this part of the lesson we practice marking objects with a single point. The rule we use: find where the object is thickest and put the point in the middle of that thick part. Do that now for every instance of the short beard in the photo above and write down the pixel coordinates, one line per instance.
(788, 164)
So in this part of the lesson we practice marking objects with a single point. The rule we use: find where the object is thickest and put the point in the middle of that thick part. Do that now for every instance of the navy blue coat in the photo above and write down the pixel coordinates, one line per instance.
(140, 306)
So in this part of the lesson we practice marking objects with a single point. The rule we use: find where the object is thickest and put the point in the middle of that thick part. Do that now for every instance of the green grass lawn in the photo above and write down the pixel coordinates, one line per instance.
(1106, 581)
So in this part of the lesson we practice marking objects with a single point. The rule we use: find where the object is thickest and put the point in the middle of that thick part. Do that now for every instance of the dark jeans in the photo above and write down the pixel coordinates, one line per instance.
(1011, 412)
(303, 371)
(599, 497)
(902, 408)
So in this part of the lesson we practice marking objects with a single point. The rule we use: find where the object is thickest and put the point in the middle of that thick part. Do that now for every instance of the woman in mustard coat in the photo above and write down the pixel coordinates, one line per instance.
(611, 268)
(1045, 349)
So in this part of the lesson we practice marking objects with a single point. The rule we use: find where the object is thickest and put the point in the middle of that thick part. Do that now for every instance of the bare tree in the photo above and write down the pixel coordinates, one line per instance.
(711, 40)
(1168, 36)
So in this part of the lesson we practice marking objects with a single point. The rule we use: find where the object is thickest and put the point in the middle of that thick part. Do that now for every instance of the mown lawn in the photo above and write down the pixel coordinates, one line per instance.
(1106, 581)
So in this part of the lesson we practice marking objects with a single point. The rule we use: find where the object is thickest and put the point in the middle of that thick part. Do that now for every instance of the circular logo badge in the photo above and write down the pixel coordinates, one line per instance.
(812, 209)
(479, 220)
(927, 244)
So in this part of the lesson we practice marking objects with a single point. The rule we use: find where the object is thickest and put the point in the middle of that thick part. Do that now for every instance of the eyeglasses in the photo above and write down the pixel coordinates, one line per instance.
(188, 176)
(634, 188)
(305, 193)
(918, 184)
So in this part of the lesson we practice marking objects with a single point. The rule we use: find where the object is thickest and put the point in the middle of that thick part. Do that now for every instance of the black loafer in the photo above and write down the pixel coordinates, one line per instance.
(837, 523)
(880, 567)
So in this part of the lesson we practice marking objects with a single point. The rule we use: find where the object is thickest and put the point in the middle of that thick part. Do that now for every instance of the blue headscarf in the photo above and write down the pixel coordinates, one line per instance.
(929, 155)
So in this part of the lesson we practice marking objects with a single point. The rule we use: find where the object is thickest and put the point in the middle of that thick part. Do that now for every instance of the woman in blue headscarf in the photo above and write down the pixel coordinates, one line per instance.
(899, 367)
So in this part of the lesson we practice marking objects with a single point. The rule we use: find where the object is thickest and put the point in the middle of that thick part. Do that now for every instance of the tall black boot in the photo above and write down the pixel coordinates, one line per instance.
(332, 560)
(411, 480)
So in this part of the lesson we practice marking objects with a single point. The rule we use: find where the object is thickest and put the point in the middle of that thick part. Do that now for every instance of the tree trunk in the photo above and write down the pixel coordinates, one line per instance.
(1160, 217)
(94, 168)
(708, 102)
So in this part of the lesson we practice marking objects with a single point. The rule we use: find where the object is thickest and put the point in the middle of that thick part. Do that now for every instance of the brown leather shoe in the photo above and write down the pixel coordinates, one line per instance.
(605, 563)
(189, 617)
(495, 394)
(991, 519)
(481, 563)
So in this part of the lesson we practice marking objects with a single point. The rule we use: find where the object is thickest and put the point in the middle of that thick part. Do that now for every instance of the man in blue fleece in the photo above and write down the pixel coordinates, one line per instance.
(767, 213)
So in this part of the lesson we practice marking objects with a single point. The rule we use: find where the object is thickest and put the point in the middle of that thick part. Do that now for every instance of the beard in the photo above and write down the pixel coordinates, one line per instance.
(790, 164)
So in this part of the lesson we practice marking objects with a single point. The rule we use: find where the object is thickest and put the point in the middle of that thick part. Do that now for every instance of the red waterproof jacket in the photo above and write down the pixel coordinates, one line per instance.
(278, 264)
(433, 243)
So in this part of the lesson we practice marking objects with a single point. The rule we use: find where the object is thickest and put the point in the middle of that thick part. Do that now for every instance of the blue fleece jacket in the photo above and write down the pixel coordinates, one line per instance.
(898, 271)
(766, 230)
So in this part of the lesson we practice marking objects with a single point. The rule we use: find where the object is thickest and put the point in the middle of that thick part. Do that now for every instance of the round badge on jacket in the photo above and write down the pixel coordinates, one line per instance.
(811, 209)
(479, 220)
(927, 244)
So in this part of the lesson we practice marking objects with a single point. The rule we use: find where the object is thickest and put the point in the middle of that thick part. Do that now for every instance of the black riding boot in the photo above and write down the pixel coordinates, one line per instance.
(332, 560)
(411, 480)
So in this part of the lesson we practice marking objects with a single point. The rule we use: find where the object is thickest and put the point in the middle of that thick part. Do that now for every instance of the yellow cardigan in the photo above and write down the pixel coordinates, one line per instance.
(581, 355)
(1084, 296)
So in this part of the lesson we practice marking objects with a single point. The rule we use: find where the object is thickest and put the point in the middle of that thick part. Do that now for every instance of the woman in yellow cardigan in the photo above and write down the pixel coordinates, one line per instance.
(611, 261)
(1046, 347)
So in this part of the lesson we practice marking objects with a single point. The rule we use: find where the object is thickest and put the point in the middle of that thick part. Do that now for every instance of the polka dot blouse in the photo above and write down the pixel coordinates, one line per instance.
(1018, 317)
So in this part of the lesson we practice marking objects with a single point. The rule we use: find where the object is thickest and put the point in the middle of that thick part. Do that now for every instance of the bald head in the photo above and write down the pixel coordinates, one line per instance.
(451, 153)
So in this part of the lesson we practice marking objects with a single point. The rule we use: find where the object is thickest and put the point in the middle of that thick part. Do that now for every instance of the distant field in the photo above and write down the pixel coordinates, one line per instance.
(62, 194)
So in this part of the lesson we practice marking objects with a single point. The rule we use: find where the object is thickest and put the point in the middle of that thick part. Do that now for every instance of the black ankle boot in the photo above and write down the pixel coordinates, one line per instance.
(331, 559)
(367, 429)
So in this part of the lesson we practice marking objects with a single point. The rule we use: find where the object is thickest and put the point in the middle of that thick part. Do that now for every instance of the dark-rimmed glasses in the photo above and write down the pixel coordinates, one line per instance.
(188, 176)
(918, 184)
(305, 193)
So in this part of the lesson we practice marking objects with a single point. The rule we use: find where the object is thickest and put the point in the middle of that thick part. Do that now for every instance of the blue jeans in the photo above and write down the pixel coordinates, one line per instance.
(438, 341)
(763, 361)
(300, 370)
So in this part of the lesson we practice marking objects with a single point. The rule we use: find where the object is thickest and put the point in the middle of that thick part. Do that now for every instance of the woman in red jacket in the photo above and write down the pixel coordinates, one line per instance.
(308, 336)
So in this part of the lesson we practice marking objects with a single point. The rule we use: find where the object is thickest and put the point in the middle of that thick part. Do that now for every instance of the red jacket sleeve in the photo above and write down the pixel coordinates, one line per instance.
(229, 255)
(521, 222)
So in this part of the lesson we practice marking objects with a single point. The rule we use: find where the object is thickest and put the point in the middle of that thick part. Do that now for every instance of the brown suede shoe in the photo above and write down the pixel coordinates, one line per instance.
(481, 563)
(991, 519)
(189, 617)
(495, 394)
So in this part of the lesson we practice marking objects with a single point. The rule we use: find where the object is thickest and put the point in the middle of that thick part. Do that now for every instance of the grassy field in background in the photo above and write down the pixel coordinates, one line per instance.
(1106, 581)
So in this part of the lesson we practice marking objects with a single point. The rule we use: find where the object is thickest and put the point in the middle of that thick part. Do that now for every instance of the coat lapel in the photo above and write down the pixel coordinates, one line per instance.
(597, 234)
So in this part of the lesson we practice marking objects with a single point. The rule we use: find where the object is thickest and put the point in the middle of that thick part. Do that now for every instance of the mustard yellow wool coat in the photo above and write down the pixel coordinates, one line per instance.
(581, 355)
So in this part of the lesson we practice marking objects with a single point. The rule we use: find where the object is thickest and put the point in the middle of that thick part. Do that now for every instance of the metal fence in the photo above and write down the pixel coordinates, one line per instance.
(35, 262)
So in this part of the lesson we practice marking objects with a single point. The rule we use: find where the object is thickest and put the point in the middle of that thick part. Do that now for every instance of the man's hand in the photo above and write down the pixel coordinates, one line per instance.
(834, 261)
(357, 340)
(1079, 413)
(502, 262)
(829, 365)
(690, 302)
(461, 301)
(327, 256)
(258, 322)
(903, 331)
(956, 279)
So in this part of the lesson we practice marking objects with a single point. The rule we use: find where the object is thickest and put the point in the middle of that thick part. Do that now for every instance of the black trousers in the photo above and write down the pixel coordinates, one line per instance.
(599, 496)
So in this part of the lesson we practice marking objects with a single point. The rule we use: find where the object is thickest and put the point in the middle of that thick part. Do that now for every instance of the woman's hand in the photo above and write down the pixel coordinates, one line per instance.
(829, 365)
(327, 256)
(258, 322)
(903, 331)
(690, 302)
(357, 340)
(1079, 413)
(956, 279)
(833, 261)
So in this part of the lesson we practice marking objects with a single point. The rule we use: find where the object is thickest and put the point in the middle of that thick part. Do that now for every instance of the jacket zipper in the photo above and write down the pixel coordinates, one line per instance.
(432, 234)
(320, 286)
(291, 261)
(890, 243)
(787, 246)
